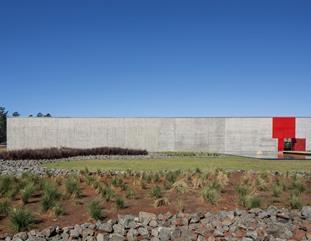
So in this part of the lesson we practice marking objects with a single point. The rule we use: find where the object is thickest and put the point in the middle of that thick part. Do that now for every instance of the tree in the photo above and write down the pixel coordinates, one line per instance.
(15, 114)
(30, 115)
(48, 115)
(3, 117)
(39, 114)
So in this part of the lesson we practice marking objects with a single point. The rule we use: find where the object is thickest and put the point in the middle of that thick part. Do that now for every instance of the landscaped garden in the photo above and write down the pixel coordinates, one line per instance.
(111, 196)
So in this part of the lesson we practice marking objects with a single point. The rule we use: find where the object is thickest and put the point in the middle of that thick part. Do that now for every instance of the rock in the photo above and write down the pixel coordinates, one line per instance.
(145, 217)
(195, 218)
(164, 233)
(306, 212)
(107, 227)
(119, 229)
(187, 235)
(74, 233)
(252, 235)
(116, 237)
(132, 235)
(175, 233)
(127, 221)
(48, 232)
(246, 239)
(154, 239)
(21, 235)
(87, 232)
(201, 238)
(218, 233)
(101, 237)
(153, 223)
(143, 231)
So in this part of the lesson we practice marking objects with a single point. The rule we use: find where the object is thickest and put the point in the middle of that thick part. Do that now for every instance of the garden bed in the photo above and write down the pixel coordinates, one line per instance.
(66, 200)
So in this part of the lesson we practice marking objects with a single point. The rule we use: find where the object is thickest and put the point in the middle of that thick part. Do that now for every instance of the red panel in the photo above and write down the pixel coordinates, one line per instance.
(280, 144)
(284, 127)
(299, 144)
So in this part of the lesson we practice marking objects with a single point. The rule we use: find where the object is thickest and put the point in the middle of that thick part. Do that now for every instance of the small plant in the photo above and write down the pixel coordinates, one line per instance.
(261, 184)
(156, 177)
(107, 193)
(4, 209)
(171, 176)
(50, 196)
(130, 194)
(222, 180)
(180, 206)
(27, 192)
(250, 201)
(95, 210)
(72, 187)
(124, 187)
(119, 203)
(161, 202)
(180, 186)
(21, 219)
(210, 194)
(277, 190)
(156, 192)
(294, 201)
(6, 183)
(297, 185)
(58, 210)
(117, 182)
(243, 190)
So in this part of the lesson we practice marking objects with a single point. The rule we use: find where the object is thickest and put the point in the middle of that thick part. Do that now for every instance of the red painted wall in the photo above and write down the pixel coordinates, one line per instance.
(299, 144)
(284, 127)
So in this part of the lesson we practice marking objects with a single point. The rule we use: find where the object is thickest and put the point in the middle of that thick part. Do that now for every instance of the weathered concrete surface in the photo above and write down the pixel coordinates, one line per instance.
(224, 135)
(303, 130)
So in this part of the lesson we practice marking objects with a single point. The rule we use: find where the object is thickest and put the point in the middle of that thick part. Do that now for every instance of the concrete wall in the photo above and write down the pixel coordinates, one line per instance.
(303, 130)
(223, 135)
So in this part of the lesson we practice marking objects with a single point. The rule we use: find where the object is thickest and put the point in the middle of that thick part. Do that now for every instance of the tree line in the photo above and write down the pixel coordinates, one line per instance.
(4, 114)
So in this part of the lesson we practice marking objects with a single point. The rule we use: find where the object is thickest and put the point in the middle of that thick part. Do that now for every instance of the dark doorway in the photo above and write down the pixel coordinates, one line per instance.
(288, 144)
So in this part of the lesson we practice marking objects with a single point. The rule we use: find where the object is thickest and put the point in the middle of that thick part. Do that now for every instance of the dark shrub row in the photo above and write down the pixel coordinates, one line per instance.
(56, 153)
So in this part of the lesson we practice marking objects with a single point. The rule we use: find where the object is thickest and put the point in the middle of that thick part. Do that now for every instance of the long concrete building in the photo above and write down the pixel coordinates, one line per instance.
(221, 135)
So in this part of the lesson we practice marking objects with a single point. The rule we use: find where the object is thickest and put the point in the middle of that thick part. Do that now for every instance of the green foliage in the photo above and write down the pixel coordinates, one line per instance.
(4, 208)
(243, 189)
(250, 201)
(3, 119)
(6, 184)
(27, 192)
(119, 203)
(50, 196)
(297, 185)
(21, 219)
(117, 182)
(277, 190)
(156, 192)
(58, 210)
(156, 177)
(210, 194)
(95, 210)
(294, 201)
(107, 193)
(130, 194)
(72, 187)
(124, 187)
(171, 176)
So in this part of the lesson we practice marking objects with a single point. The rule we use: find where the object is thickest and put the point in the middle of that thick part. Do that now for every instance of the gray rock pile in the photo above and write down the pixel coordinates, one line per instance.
(253, 225)
(17, 167)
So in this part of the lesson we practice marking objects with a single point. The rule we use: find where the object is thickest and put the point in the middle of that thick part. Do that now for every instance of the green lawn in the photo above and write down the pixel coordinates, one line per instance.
(185, 163)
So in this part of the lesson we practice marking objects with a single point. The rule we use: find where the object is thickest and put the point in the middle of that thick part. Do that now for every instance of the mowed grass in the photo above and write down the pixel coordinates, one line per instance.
(188, 163)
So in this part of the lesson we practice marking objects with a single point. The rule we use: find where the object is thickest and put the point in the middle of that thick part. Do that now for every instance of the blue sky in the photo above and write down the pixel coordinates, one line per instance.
(156, 58)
